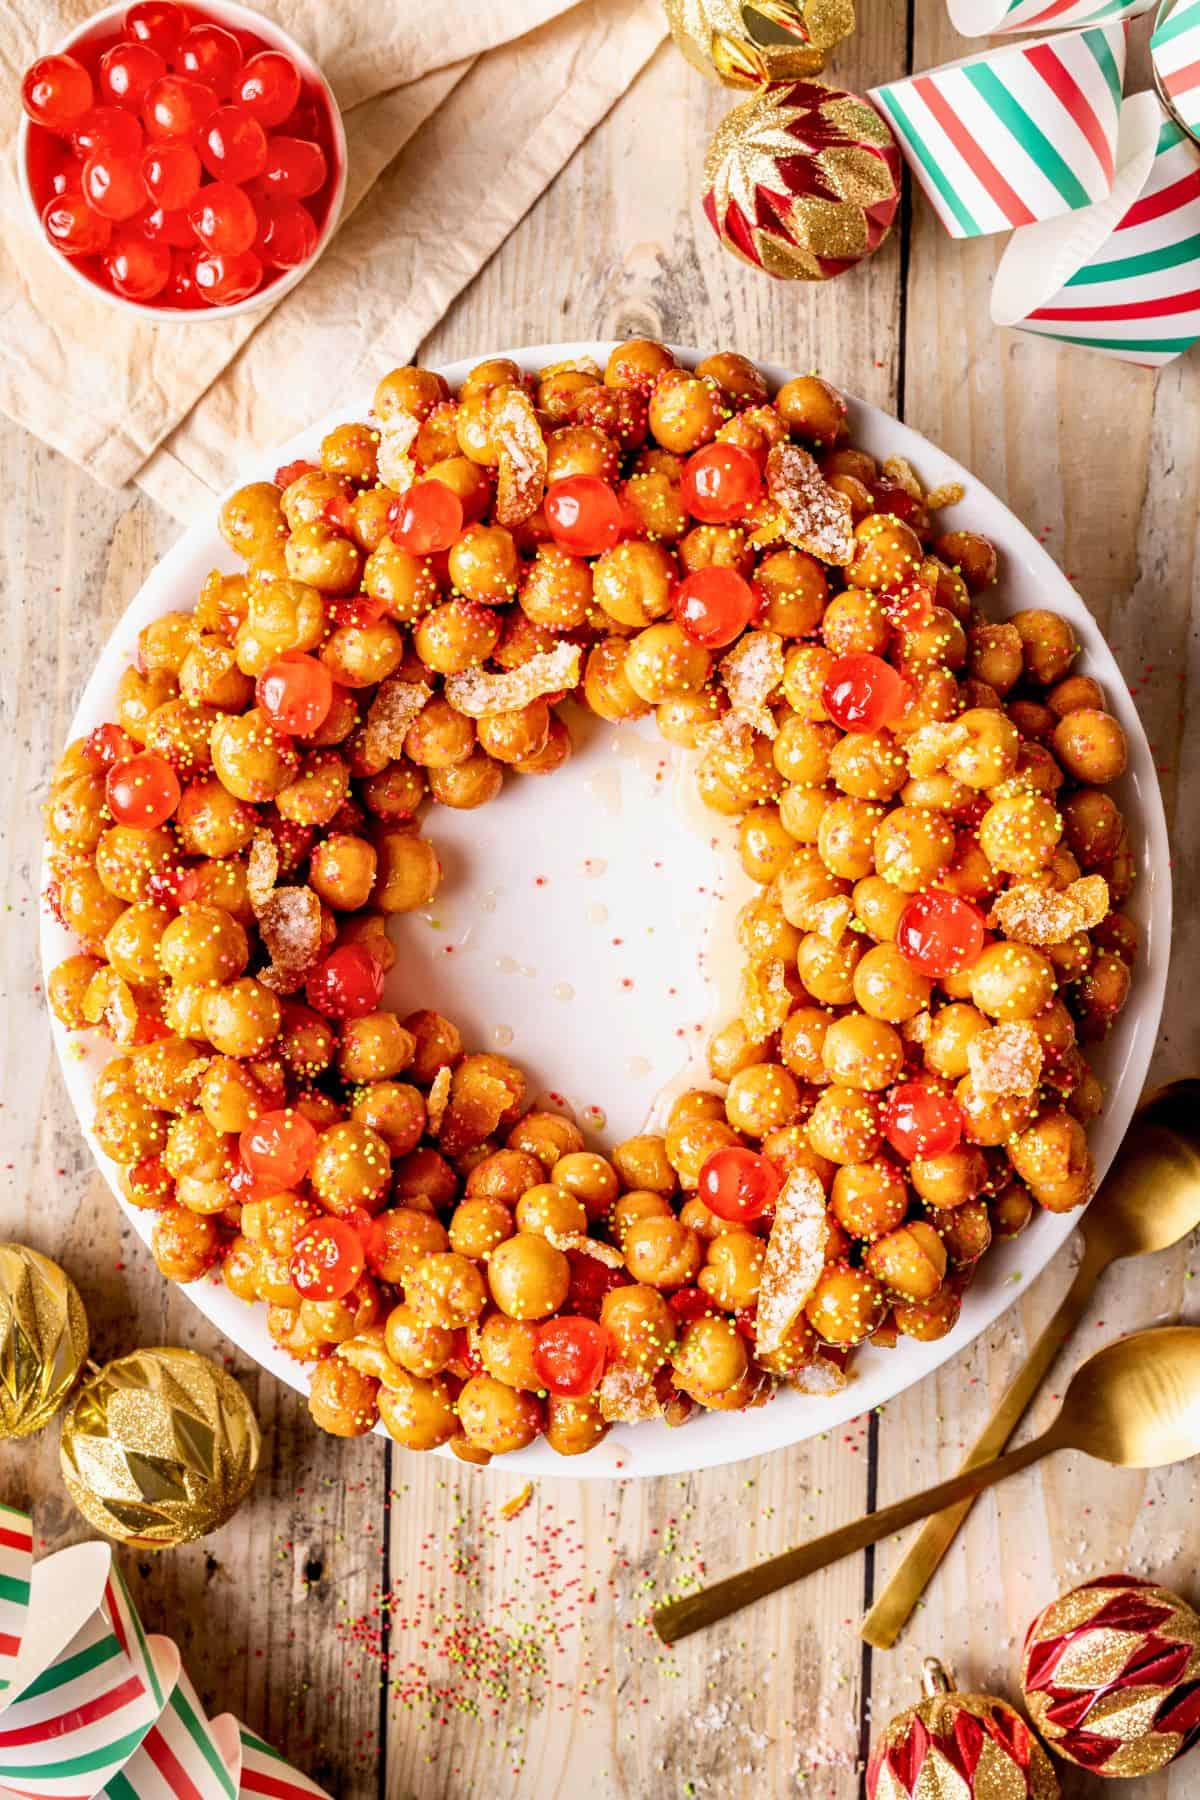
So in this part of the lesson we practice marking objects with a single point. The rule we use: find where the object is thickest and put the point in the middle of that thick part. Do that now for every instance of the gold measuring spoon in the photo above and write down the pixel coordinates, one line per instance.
(1149, 1200)
(1135, 1404)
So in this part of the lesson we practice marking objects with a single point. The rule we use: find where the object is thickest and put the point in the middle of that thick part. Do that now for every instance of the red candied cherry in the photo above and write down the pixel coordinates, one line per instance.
(150, 1183)
(714, 605)
(176, 107)
(920, 1120)
(171, 172)
(720, 482)
(210, 54)
(295, 692)
(347, 984)
(584, 514)
(861, 693)
(174, 886)
(427, 518)
(108, 744)
(223, 218)
(739, 1184)
(180, 291)
(138, 268)
(294, 166)
(223, 280)
(286, 473)
(569, 1355)
(590, 1281)
(113, 185)
(108, 128)
(233, 145)
(73, 227)
(269, 87)
(327, 1259)
(287, 232)
(142, 790)
(171, 228)
(62, 170)
(158, 23)
(940, 933)
(55, 91)
(126, 71)
(278, 1148)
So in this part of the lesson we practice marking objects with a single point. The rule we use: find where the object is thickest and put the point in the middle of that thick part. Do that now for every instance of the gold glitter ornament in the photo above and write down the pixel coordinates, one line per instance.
(802, 181)
(159, 1448)
(746, 43)
(1111, 1673)
(953, 1746)
(43, 1339)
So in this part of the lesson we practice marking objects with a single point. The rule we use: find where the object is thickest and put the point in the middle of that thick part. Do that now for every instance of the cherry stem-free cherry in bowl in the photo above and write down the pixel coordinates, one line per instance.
(148, 173)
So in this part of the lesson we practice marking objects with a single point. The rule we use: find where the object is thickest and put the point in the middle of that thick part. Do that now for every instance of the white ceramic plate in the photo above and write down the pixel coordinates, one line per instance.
(570, 927)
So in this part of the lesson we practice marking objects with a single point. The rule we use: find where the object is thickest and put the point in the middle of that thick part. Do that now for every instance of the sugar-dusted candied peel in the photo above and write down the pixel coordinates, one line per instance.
(289, 923)
(794, 1259)
(752, 673)
(627, 1397)
(765, 997)
(1006, 1059)
(262, 869)
(478, 692)
(109, 1000)
(1029, 913)
(438, 1099)
(523, 458)
(396, 464)
(394, 708)
(816, 517)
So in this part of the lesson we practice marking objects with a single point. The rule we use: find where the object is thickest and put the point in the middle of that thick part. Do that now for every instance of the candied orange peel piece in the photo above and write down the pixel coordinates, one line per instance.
(901, 471)
(523, 458)
(752, 672)
(396, 704)
(588, 1246)
(1006, 1059)
(816, 517)
(366, 1351)
(289, 924)
(794, 1259)
(516, 1503)
(395, 462)
(478, 692)
(1030, 914)
(820, 1377)
(627, 1397)
(262, 869)
(438, 1098)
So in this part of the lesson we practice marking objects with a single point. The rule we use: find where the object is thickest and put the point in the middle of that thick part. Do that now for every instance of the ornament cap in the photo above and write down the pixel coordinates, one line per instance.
(935, 1679)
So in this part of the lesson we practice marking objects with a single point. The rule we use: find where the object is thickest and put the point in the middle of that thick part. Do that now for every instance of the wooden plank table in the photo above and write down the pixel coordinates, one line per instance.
(520, 1664)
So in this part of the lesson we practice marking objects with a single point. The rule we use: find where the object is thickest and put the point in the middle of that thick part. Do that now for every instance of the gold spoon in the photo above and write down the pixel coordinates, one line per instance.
(1135, 1404)
(1149, 1200)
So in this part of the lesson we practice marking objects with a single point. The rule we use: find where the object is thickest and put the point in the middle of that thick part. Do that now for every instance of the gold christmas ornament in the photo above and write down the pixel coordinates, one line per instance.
(953, 1746)
(746, 43)
(43, 1339)
(159, 1448)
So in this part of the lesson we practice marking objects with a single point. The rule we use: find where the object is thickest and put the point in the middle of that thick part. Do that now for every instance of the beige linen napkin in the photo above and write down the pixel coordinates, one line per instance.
(474, 107)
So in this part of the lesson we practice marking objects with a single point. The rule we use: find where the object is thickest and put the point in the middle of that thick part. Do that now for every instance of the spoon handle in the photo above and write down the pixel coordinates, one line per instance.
(891, 1612)
(679, 1618)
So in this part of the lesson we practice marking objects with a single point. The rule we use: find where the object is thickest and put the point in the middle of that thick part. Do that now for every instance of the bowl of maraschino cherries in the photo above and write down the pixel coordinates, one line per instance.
(182, 161)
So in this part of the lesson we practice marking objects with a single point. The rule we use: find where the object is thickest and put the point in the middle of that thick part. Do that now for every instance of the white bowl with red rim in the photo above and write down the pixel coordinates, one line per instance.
(596, 875)
(99, 29)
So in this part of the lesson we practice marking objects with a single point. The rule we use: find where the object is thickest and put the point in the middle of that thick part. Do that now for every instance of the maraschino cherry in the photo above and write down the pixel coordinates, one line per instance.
(714, 605)
(739, 1184)
(921, 1120)
(939, 933)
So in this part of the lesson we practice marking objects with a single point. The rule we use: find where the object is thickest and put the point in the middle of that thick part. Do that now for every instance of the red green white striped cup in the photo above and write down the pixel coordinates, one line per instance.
(1175, 54)
(259, 1772)
(990, 18)
(1014, 134)
(180, 1756)
(1124, 278)
(16, 1568)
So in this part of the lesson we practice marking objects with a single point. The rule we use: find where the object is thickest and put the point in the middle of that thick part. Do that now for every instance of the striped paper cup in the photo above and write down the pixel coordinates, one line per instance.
(1175, 53)
(1124, 276)
(259, 1772)
(180, 1756)
(988, 18)
(85, 1689)
(1015, 134)
(16, 1568)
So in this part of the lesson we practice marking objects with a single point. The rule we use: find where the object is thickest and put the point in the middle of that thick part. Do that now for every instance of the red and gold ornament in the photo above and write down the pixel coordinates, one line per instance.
(953, 1746)
(802, 181)
(1111, 1674)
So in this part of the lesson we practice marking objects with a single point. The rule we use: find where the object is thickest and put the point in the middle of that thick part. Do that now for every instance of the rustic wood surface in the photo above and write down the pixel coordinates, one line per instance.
(518, 1656)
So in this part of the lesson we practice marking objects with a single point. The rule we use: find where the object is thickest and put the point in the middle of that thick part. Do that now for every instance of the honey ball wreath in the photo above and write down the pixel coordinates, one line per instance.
(921, 797)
